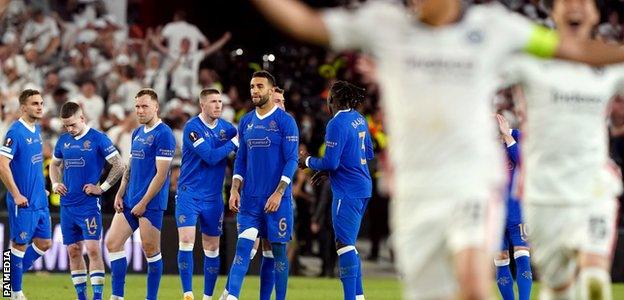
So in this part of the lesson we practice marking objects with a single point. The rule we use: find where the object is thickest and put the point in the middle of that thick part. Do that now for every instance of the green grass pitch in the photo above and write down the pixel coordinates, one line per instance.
(58, 286)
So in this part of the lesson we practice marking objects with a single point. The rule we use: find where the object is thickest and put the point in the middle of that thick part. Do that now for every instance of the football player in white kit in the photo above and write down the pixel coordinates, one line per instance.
(437, 65)
(569, 186)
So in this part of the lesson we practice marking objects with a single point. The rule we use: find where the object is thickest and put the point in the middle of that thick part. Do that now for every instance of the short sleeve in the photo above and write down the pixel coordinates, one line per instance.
(165, 146)
(107, 149)
(10, 145)
(58, 151)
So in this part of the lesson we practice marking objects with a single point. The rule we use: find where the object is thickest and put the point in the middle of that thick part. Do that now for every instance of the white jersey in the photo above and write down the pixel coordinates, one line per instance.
(565, 143)
(436, 88)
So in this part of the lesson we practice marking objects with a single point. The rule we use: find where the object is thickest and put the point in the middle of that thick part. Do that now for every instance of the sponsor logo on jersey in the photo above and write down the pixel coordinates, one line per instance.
(29, 141)
(66, 145)
(37, 158)
(259, 143)
(138, 154)
(74, 163)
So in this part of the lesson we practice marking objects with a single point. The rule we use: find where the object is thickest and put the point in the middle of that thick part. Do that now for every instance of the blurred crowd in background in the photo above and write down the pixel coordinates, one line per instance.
(99, 53)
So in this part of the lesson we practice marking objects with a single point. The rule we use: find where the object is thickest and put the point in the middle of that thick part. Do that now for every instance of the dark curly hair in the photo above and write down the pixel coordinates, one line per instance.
(346, 94)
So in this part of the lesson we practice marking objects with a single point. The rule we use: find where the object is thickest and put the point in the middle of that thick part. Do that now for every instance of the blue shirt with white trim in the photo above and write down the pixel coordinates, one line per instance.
(348, 147)
(84, 158)
(23, 145)
(514, 211)
(148, 146)
(204, 156)
(267, 152)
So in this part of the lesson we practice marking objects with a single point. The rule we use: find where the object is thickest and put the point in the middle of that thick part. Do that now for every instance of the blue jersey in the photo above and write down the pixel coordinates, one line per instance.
(348, 148)
(267, 152)
(149, 145)
(514, 215)
(204, 156)
(23, 145)
(84, 157)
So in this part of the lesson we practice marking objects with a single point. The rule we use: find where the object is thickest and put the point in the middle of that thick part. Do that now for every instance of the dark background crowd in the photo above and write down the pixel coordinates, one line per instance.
(99, 53)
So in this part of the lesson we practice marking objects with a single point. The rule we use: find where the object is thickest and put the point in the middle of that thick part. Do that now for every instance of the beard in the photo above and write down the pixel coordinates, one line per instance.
(263, 100)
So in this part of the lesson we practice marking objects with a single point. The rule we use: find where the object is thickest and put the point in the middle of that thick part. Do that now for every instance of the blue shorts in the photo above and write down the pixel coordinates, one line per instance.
(154, 216)
(515, 236)
(26, 224)
(347, 216)
(210, 213)
(79, 223)
(276, 227)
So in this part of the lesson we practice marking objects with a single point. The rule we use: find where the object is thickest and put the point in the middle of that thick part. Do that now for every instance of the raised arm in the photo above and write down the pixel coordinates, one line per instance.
(296, 19)
(204, 149)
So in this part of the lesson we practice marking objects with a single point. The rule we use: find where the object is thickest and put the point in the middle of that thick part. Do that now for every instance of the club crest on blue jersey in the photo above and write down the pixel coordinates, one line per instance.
(222, 136)
(273, 126)
(86, 146)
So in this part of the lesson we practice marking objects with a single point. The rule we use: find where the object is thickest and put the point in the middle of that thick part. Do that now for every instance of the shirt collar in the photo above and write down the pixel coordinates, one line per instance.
(146, 130)
(86, 130)
(267, 114)
(201, 117)
(32, 128)
(341, 111)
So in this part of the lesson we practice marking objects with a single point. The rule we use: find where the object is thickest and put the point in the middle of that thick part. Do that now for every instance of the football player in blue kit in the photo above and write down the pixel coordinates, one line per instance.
(142, 196)
(21, 171)
(80, 156)
(265, 164)
(515, 233)
(348, 149)
(207, 142)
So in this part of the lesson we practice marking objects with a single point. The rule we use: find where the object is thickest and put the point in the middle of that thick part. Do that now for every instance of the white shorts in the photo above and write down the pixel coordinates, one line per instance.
(560, 232)
(428, 231)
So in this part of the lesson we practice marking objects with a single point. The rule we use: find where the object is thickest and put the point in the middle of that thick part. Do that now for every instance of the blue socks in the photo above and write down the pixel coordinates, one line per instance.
(349, 268)
(504, 279)
(31, 255)
(119, 263)
(524, 276)
(267, 275)
(97, 283)
(154, 273)
(359, 289)
(17, 270)
(212, 262)
(185, 266)
(241, 261)
(79, 278)
(281, 270)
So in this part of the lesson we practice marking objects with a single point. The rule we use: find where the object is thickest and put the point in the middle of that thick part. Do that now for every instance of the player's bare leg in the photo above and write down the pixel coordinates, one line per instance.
(473, 273)
(117, 236)
(594, 280)
(78, 268)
